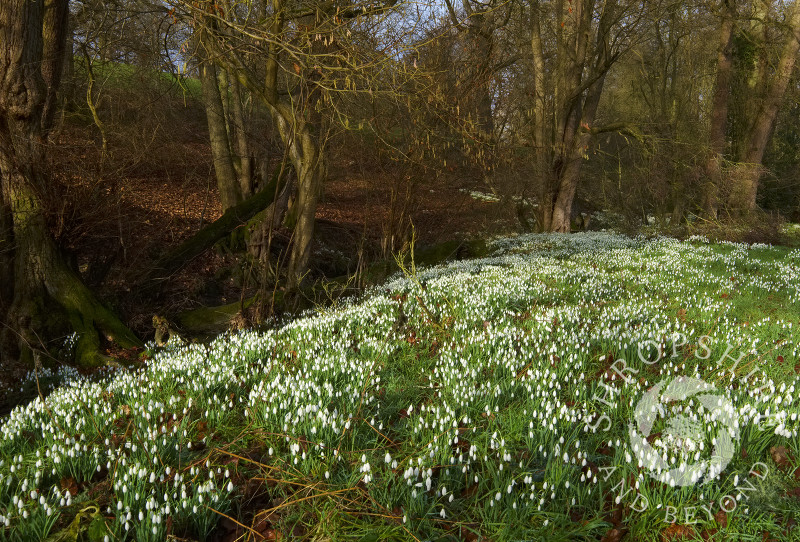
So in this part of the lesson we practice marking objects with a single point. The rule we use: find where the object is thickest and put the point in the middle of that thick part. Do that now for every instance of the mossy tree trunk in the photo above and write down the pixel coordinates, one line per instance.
(734, 190)
(163, 269)
(45, 294)
(749, 170)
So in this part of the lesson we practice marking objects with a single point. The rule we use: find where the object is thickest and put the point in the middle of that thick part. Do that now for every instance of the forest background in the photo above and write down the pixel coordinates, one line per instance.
(189, 166)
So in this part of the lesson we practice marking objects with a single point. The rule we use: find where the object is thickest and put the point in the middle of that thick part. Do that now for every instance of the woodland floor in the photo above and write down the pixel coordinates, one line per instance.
(124, 218)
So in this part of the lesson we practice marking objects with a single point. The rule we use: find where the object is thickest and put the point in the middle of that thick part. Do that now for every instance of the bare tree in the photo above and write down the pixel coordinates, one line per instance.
(480, 22)
(294, 62)
(573, 44)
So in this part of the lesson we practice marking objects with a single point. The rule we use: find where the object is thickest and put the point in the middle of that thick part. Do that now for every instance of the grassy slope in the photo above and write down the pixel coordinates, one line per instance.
(454, 403)
(119, 76)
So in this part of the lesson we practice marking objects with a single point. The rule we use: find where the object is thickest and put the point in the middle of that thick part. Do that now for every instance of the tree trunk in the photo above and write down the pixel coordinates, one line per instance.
(749, 169)
(719, 112)
(41, 279)
(301, 132)
(299, 127)
(308, 161)
(229, 189)
(245, 169)
(569, 175)
(579, 77)
(540, 140)
(6, 257)
(55, 31)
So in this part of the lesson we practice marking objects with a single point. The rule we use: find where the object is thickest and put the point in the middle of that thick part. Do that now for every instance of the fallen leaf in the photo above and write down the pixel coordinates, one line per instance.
(780, 455)
(69, 484)
(677, 532)
(471, 491)
(468, 533)
(614, 535)
(708, 534)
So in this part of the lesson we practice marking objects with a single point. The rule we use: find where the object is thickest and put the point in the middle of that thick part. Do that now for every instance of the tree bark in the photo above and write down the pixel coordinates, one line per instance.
(570, 176)
(243, 158)
(300, 127)
(41, 279)
(540, 140)
(577, 85)
(55, 32)
(749, 170)
(309, 164)
(230, 192)
(719, 112)
(6, 257)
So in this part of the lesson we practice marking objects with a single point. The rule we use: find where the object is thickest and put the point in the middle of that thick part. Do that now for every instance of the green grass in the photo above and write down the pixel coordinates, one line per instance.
(117, 76)
(469, 400)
